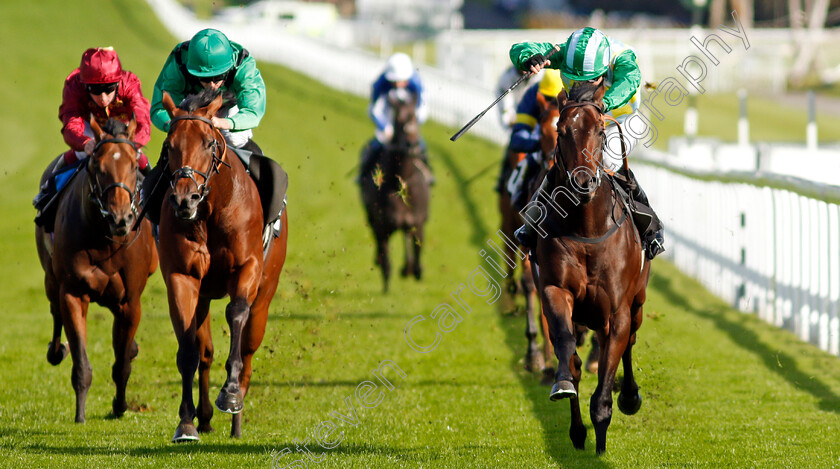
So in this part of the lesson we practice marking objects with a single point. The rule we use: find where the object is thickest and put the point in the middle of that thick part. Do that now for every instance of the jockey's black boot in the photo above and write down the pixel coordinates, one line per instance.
(653, 240)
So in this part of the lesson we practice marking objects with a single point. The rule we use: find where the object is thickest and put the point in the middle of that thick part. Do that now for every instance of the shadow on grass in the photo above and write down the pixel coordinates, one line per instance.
(736, 325)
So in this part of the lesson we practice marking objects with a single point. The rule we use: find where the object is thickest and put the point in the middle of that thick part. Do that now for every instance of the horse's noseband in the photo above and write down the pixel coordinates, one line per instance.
(186, 172)
(97, 192)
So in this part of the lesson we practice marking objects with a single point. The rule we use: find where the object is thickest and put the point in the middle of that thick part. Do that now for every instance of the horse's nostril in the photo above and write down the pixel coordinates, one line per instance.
(195, 197)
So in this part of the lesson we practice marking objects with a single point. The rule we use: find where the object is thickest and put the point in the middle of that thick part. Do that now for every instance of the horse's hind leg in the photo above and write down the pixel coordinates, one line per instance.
(56, 350)
(534, 361)
(126, 320)
(410, 259)
(629, 400)
(204, 343)
(613, 346)
(577, 432)
(74, 314)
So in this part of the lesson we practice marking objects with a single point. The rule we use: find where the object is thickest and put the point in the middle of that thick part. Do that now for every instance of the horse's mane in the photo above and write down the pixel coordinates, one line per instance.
(115, 127)
(195, 102)
(584, 91)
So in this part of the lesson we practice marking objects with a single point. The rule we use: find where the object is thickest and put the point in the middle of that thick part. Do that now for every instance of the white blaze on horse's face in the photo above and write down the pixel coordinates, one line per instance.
(117, 156)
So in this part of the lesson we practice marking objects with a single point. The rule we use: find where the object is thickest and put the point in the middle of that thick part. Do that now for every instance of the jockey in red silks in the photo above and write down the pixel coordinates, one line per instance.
(100, 88)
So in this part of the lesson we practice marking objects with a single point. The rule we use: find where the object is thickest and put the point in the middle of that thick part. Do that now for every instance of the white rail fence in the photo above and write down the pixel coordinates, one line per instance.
(767, 251)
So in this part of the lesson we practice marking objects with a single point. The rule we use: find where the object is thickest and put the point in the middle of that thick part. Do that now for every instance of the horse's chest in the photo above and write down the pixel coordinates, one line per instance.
(101, 278)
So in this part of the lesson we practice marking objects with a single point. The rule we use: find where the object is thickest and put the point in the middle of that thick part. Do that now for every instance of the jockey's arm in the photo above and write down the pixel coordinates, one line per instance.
(71, 114)
(171, 81)
(140, 107)
(521, 52)
(249, 87)
(625, 82)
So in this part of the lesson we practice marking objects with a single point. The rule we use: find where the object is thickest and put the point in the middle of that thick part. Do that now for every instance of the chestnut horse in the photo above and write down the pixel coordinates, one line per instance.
(93, 255)
(592, 269)
(211, 246)
(396, 194)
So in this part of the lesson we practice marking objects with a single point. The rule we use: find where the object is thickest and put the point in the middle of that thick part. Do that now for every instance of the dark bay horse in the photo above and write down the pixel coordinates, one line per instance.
(211, 246)
(396, 194)
(94, 256)
(592, 269)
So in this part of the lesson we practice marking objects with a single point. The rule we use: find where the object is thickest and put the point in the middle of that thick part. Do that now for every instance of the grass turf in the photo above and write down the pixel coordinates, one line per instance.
(720, 389)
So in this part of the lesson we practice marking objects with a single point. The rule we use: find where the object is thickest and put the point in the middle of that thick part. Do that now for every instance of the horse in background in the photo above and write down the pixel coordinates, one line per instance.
(592, 268)
(396, 194)
(211, 245)
(93, 255)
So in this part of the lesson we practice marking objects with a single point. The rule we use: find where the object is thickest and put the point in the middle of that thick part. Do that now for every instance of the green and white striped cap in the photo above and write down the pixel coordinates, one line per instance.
(587, 55)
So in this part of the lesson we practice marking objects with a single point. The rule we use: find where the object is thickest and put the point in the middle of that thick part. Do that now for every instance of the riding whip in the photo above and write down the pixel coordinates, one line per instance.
(475, 119)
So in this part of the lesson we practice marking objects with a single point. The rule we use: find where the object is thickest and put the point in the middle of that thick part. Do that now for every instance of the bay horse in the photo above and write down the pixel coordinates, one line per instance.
(396, 194)
(211, 246)
(94, 256)
(592, 269)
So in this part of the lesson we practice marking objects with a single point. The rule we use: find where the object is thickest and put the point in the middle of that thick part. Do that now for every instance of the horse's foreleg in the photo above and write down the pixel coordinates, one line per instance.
(126, 320)
(417, 246)
(408, 266)
(74, 316)
(244, 287)
(204, 343)
(383, 260)
(183, 296)
(613, 344)
(557, 307)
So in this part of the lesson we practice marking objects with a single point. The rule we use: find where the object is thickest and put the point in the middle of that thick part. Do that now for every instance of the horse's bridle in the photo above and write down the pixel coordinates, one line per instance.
(558, 160)
(186, 172)
(97, 192)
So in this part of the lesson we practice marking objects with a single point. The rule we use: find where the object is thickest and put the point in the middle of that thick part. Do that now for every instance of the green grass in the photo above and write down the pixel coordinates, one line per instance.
(720, 389)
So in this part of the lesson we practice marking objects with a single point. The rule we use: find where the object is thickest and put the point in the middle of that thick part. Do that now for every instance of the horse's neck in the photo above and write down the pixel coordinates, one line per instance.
(225, 183)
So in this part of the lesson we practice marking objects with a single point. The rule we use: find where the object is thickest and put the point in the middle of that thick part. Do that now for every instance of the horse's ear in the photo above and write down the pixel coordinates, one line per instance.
(562, 99)
(168, 104)
(132, 127)
(98, 133)
(214, 106)
(600, 91)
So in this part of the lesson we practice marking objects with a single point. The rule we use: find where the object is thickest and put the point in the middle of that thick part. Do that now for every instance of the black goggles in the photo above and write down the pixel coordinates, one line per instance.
(99, 88)
(213, 79)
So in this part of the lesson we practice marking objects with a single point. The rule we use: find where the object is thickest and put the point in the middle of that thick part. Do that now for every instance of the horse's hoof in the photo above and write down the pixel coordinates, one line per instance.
(629, 405)
(230, 402)
(54, 357)
(205, 428)
(547, 376)
(418, 274)
(561, 390)
(404, 272)
(534, 362)
(119, 408)
(578, 437)
(185, 432)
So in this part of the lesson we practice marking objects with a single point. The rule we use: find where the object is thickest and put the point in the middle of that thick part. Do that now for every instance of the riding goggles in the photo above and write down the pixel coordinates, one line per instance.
(99, 88)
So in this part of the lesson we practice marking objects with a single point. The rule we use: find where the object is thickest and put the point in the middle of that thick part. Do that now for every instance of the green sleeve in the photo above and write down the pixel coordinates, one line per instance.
(249, 88)
(521, 52)
(625, 82)
(173, 82)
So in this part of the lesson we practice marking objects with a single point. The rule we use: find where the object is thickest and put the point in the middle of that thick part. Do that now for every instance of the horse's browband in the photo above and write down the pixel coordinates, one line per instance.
(190, 117)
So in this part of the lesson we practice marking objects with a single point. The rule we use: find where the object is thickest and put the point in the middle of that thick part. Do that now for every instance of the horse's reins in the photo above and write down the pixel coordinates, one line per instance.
(559, 161)
(97, 192)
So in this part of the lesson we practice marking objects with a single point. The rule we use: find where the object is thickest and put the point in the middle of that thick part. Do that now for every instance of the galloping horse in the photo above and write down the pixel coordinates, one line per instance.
(592, 268)
(396, 195)
(211, 245)
(94, 256)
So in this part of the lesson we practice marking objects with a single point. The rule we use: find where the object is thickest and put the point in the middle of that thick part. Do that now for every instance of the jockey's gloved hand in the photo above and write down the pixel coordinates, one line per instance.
(535, 60)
